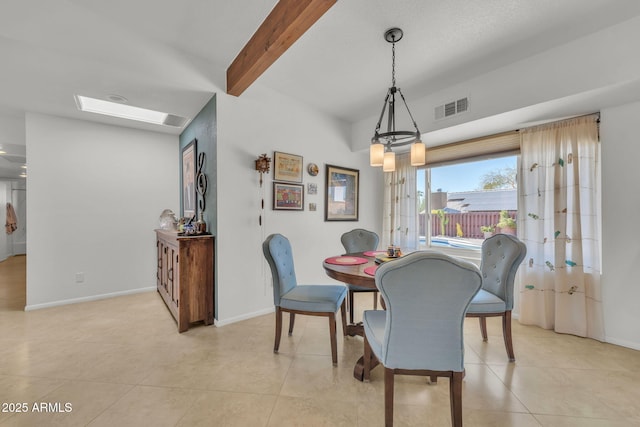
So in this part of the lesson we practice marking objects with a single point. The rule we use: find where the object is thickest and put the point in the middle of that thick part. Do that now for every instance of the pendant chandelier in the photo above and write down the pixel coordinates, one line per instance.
(382, 144)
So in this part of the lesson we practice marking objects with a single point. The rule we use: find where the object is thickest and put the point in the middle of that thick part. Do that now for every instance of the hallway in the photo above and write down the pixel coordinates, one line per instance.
(13, 295)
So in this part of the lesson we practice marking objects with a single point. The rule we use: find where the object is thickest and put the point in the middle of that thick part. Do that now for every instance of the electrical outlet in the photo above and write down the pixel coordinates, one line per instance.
(79, 277)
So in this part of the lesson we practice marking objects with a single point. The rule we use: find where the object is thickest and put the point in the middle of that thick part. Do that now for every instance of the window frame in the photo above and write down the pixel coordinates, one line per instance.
(477, 149)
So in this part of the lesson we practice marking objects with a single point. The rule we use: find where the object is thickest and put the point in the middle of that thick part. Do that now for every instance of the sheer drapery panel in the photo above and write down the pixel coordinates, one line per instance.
(400, 212)
(559, 174)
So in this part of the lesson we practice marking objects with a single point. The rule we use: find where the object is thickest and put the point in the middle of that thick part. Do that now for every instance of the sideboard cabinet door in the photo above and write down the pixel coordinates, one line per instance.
(185, 276)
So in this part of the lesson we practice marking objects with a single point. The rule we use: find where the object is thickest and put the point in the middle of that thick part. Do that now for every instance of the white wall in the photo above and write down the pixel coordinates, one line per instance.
(620, 210)
(95, 195)
(261, 121)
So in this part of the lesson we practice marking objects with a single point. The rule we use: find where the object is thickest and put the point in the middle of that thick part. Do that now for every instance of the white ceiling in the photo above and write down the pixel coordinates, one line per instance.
(172, 55)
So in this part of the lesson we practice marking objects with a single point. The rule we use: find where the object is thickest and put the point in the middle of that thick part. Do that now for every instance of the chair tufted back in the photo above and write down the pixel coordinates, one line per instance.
(277, 251)
(359, 240)
(427, 294)
(501, 257)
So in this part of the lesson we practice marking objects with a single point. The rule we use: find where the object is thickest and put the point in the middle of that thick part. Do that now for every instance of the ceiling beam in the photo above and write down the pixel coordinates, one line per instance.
(288, 20)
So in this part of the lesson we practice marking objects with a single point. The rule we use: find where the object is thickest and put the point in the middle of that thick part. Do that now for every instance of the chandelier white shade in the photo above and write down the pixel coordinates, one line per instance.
(418, 154)
(389, 161)
(376, 154)
(382, 144)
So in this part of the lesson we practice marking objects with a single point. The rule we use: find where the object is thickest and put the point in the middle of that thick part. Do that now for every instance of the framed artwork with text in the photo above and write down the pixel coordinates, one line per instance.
(287, 167)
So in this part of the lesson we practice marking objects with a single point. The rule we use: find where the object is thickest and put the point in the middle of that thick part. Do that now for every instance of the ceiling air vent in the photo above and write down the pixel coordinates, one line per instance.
(451, 108)
(462, 105)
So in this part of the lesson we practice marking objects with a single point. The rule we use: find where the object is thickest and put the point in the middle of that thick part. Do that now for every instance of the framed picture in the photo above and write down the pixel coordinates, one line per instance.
(341, 194)
(189, 179)
(288, 197)
(312, 188)
(287, 167)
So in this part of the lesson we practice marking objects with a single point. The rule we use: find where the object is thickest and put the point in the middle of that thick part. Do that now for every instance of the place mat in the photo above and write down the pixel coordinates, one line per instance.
(346, 260)
(373, 253)
(371, 270)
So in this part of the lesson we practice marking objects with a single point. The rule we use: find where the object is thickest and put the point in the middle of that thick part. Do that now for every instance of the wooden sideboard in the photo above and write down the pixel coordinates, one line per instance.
(185, 276)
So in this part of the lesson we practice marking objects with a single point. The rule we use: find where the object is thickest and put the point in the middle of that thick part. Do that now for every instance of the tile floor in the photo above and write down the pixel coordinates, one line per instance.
(120, 362)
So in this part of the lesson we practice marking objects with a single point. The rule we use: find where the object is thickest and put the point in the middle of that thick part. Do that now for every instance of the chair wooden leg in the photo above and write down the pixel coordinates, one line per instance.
(334, 342)
(343, 312)
(350, 297)
(388, 397)
(455, 396)
(483, 328)
(375, 300)
(506, 333)
(292, 320)
(366, 366)
(276, 345)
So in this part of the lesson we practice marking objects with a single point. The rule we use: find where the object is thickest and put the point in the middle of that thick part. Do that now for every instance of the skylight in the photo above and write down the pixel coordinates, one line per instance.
(124, 111)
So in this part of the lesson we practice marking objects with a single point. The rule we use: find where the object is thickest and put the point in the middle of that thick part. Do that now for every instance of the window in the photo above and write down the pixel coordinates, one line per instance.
(460, 204)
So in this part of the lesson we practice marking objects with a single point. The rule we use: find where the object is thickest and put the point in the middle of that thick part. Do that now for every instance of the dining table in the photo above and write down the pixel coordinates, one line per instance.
(356, 269)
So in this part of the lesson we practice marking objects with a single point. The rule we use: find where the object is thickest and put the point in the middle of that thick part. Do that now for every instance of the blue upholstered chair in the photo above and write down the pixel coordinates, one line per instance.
(421, 332)
(501, 257)
(314, 300)
(354, 241)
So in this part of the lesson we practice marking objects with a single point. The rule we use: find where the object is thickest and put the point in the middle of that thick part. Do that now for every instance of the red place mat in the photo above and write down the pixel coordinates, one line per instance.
(371, 270)
(373, 253)
(346, 260)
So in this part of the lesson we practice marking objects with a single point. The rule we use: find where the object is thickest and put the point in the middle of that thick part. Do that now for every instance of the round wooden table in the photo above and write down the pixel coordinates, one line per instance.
(354, 275)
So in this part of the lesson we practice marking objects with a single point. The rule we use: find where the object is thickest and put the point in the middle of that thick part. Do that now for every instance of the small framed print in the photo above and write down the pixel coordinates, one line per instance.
(287, 167)
(341, 194)
(288, 197)
(312, 206)
(312, 188)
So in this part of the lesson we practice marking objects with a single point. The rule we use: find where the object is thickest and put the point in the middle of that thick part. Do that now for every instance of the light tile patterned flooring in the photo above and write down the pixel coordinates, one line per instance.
(121, 362)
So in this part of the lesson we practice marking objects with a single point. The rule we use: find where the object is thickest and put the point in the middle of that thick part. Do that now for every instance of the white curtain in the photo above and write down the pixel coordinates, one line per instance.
(400, 214)
(559, 283)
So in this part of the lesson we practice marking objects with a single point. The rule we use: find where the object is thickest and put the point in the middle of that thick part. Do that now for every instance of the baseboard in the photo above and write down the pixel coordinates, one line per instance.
(623, 343)
(244, 317)
(86, 299)
(609, 340)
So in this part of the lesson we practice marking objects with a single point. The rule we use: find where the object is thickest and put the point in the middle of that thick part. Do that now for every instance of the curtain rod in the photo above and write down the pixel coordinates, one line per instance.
(562, 120)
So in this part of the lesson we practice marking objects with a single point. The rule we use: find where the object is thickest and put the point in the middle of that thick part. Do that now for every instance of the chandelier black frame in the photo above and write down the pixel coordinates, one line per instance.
(382, 143)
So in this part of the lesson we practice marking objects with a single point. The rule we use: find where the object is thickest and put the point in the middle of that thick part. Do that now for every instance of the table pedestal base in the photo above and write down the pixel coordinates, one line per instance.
(358, 370)
(356, 329)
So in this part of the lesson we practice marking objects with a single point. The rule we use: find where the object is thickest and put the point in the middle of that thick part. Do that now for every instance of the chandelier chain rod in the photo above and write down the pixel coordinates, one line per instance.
(384, 108)
(393, 64)
(408, 111)
(391, 118)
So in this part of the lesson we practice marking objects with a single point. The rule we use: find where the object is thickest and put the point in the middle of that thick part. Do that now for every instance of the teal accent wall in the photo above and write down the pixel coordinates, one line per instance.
(203, 127)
